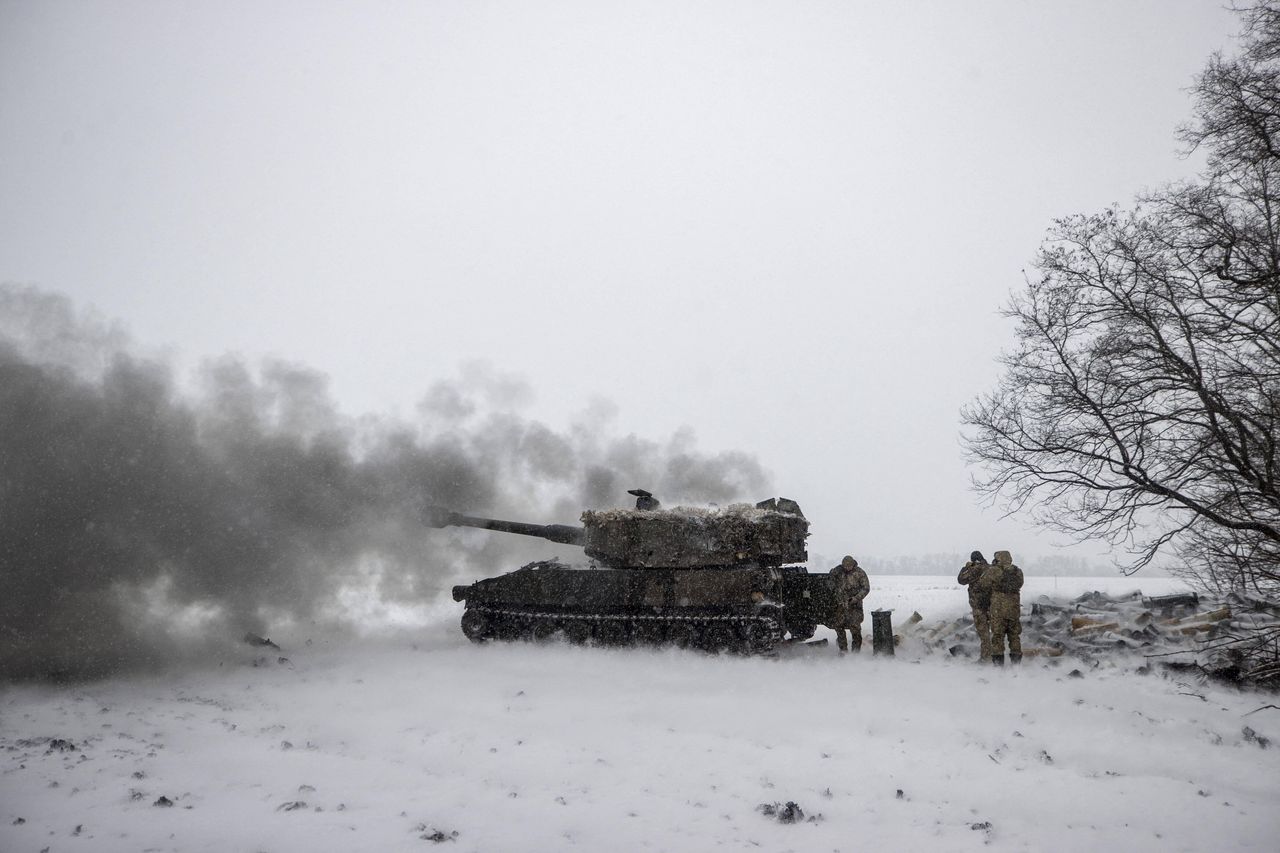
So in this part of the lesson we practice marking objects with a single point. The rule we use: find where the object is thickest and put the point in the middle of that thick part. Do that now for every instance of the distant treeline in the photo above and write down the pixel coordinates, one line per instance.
(949, 564)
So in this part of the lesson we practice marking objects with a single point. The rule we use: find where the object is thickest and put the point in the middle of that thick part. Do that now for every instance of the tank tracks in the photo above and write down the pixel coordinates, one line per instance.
(738, 634)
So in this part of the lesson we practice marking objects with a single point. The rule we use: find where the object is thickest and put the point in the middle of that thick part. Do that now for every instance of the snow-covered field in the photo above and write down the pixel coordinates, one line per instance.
(399, 742)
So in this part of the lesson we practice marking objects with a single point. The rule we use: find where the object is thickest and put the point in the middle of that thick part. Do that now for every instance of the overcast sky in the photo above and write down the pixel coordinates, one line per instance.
(788, 226)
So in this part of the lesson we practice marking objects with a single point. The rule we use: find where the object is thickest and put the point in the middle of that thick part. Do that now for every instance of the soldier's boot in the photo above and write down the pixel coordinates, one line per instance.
(998, 660)
(1015, 657)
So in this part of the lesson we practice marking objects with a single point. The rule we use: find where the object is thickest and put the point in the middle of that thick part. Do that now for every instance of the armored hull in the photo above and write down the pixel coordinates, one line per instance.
(714, 609)
(710, 579)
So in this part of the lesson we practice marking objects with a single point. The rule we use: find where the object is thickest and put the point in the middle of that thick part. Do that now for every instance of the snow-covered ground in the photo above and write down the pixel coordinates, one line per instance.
(388, 743)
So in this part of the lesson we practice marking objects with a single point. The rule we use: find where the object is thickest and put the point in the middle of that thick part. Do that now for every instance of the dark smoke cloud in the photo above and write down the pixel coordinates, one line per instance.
(141, 525)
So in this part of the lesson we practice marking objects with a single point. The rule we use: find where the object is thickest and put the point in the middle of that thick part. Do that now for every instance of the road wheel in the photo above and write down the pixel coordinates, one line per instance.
(508, 628)
(578, 631)
(543, 631)
(684, 635)
(756, 636)
(719, 637)
(759, 635)
(476, 626)
(613, 632)
(650, 632)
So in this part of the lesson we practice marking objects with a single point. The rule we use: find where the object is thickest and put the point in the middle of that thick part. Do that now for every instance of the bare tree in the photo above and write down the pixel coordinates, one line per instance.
(1141, 402)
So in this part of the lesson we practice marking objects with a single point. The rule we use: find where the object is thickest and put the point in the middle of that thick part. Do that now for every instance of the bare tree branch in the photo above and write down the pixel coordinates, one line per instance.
(1140, 404)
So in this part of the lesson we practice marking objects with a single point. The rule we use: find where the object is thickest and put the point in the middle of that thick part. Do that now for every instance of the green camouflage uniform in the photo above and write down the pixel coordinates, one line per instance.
(851, 586)
(1004, 581)
(979, 603)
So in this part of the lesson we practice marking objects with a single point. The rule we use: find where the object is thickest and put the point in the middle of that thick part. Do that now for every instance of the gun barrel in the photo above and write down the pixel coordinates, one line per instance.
(562, 533)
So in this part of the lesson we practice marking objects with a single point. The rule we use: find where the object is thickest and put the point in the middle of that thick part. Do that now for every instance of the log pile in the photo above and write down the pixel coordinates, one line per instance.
(1233, 638)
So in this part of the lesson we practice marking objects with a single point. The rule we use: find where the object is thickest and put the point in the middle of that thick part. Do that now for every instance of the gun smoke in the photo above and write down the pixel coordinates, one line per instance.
(143, 524)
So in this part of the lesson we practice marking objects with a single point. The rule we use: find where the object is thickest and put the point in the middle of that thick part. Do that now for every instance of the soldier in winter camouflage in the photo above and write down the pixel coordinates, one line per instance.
(851, 586)
(979, 600)
(1003, 580)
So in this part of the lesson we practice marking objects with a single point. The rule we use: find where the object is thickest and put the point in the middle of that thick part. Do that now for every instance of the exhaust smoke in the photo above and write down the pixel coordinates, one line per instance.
(143, 525)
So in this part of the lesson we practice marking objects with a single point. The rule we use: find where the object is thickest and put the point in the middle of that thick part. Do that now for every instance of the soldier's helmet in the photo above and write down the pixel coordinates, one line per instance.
(977, 557)
(1004, 558)
(849, 563)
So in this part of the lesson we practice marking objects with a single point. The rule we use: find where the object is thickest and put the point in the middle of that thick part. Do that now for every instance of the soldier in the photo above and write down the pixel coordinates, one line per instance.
(851, 586)
(1003, 580)
(979, 601)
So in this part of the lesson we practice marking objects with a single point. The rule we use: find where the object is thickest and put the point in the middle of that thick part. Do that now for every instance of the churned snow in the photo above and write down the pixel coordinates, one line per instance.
(419, 740)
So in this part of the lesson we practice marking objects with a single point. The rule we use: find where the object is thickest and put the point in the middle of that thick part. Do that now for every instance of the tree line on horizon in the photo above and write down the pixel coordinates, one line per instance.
(942, 564)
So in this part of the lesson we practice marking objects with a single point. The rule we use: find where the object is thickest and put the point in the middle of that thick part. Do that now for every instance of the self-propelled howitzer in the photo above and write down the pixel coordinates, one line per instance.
(707, 578)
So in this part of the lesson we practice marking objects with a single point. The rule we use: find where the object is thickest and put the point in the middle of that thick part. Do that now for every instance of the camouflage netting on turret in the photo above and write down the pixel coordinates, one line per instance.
(689, 537)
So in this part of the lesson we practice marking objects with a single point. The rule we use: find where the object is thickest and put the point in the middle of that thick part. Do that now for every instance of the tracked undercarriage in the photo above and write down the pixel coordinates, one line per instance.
(714, 609)
(706, 632)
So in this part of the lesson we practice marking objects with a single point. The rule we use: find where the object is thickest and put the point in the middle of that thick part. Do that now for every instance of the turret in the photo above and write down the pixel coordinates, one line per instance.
(770, 533)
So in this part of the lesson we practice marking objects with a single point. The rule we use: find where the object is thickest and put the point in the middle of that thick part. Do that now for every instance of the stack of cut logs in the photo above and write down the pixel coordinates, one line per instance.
(1226, 636)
